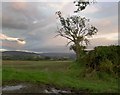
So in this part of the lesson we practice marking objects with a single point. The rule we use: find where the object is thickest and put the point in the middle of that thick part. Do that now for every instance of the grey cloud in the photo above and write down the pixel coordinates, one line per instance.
(103, 41)
(12, 19)
(105, 9)
(22, 19)
(12, 24)
(20, 23)
(34, 34)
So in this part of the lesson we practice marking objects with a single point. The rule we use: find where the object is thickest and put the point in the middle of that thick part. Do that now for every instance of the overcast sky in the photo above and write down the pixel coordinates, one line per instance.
(36, 23)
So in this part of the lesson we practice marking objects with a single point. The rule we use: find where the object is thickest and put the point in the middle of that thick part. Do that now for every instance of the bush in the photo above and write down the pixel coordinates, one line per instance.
(106, 66)
(104, 59)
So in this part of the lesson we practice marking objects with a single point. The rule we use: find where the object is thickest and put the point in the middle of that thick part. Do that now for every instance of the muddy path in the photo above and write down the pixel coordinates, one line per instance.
(33, 89)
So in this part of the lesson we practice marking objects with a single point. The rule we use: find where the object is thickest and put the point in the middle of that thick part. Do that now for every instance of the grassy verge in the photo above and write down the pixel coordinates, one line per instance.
(64, 74)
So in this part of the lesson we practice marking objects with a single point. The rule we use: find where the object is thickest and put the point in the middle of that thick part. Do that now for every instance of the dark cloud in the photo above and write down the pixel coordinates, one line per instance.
(36, 23)
(12, 19)
(20, 18)
(20, 23)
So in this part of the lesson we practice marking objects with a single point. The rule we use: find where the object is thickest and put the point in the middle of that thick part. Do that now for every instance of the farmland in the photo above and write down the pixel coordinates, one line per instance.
(61, 74)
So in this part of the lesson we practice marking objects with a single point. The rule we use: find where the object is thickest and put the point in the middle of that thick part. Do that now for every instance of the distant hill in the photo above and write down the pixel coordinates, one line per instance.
(17, 53)
(20, 55)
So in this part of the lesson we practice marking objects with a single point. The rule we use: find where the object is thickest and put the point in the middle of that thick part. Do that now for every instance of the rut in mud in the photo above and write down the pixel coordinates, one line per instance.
(33, 88)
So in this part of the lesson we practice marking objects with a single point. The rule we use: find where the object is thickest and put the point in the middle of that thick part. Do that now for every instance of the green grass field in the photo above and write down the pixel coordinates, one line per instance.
(64, 74)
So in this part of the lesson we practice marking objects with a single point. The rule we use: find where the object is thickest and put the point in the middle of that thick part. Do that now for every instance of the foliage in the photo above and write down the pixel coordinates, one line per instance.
(82, 4)
(33, 57)
(22, 57)
(106, 65)
(76, 29)
(104, 58)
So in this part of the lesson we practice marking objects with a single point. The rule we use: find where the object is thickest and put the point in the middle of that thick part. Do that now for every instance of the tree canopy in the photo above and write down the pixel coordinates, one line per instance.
(76, 29)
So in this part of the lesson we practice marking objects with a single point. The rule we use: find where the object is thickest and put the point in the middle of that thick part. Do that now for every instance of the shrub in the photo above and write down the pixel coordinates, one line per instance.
(106, 66)
(104, 59)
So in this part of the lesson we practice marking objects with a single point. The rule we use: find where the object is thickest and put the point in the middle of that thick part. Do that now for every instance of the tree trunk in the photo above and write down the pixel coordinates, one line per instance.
(77, 52)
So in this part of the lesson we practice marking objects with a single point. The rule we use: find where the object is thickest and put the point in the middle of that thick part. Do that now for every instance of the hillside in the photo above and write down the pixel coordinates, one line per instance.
(20, 55)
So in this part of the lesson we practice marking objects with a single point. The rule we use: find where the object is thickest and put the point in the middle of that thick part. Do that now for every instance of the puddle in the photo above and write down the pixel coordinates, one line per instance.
(30, 88)
(53, 90)
(12, 88)
(26, 88)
